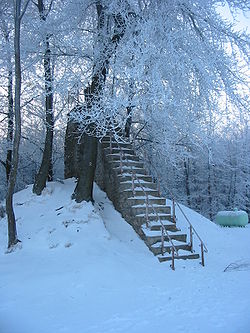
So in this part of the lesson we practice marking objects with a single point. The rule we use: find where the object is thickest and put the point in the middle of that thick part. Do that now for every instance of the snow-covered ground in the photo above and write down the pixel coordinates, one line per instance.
(82, 269)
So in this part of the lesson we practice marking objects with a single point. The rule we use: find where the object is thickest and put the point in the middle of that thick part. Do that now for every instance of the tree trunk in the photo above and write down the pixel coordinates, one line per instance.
(46, 170)
(71, 153)
(12, 231)
(84, 187)
(10, 130)
(10, 126)
(129, 109)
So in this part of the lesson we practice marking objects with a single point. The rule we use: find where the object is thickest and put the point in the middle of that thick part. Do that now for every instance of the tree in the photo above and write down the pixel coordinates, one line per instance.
(12, 232)
(157, 69)
(185, 60)
(45, 171)
(106, 44)
(6, 31)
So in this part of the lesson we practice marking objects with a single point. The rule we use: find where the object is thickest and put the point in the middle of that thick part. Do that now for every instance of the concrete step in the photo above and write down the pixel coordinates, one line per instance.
(120, 138)
(181, 256)
(176, 236)
(141, 209)
(137, 201)
(154, 227)
(145, 181)
(170, 226)
(117, 144)
(139, 192)
(140, 200)
(157, 250)
(152, 217)
(127, 170)
(140, 220)
(127, 163)
(117, 150)
(116, 157)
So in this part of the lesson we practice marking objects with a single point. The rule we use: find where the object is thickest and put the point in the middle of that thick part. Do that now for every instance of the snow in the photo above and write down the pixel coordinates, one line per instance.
(139, 189)
(173, 241)
(83, 269)
(151, 205)
(152, 233)
(153, 214)
(144, 197)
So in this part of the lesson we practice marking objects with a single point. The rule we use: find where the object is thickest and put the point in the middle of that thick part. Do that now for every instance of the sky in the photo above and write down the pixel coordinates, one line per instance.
(242, 20)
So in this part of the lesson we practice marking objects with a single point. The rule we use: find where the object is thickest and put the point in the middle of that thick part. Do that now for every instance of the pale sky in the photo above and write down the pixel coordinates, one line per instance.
(242, 20)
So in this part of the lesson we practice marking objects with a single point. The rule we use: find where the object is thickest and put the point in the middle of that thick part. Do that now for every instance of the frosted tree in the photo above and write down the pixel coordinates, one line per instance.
(18, 15)
(111, 26)
(45, 170)
(6, 33)
(182, 59)
(187, 60)
(165, 72)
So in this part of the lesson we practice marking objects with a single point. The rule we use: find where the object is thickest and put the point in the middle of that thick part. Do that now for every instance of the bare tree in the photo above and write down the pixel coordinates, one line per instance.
(6, 30)
(12, 231)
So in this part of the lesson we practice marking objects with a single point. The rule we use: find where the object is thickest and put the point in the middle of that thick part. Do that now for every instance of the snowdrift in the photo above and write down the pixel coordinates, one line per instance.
(81, 268)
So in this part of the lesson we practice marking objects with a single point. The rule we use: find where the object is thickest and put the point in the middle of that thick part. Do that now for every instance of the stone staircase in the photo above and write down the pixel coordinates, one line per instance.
(122, 175)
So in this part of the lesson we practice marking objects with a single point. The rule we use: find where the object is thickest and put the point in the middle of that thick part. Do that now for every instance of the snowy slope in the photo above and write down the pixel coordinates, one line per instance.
(83, 269)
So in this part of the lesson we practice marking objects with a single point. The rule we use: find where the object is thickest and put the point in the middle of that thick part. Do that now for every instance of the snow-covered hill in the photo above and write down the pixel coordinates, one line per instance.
(83, 269)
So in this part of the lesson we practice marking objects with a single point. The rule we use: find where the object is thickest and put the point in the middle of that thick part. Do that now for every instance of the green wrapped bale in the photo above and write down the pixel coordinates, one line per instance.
(236, 218)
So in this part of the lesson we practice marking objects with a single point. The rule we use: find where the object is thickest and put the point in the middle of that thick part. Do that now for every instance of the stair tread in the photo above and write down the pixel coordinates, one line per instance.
(118, 154)
(153, 214)
(124, 174)
(135, 181)
(139, 189)
(129, 167)
(114, 141)
(165, 222)
(119, 149)
(126, 163)
(154, 205)
(167, 243)
(182, 254)
(144, 197)
(155, 233)
(174, 235)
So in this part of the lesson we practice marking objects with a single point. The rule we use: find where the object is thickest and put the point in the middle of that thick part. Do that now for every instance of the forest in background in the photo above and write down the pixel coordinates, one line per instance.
(173, 73)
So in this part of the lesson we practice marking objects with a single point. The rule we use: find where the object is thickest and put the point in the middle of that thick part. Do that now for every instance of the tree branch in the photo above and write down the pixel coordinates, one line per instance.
(24, 10)
(3, 163)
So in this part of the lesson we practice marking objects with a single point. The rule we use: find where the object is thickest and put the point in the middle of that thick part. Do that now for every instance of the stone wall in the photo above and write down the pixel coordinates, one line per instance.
(108, 180)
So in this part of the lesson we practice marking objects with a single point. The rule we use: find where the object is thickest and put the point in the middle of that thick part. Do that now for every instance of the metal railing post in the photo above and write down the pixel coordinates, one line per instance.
(162, 240)
(202, 255)
(133, 144)
(121, 162)
(110, 144)
(172, 265)
(191, 238)
(173, 207)
(158, 187)
(147, 218)
(153, 210)
(191, 227)
(133, 182)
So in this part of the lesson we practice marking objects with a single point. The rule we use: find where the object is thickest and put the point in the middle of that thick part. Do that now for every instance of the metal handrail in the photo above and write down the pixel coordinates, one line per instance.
(155, 212)
(192, 229)
(163, 229)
